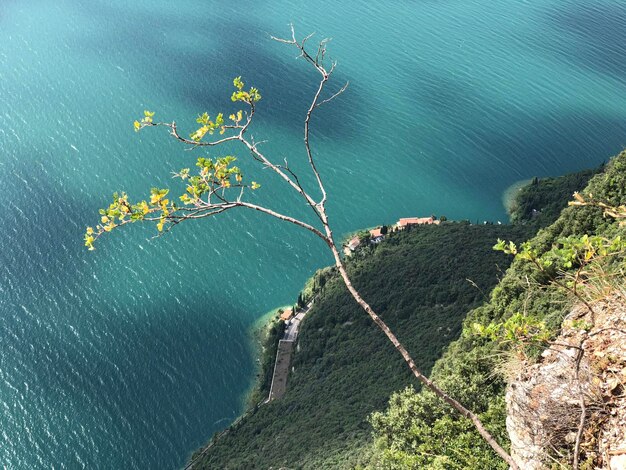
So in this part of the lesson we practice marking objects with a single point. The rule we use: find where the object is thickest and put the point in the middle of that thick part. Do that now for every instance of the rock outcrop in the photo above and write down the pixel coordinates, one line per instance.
(583, 369)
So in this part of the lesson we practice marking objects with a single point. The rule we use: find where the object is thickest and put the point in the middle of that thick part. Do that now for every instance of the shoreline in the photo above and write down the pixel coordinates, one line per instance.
(258, 335)
(510, 194)
(314, 284)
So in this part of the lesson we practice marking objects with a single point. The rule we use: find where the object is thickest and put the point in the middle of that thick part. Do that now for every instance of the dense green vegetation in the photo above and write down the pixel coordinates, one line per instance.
(416, 431)
(541, 201)
(344, 368)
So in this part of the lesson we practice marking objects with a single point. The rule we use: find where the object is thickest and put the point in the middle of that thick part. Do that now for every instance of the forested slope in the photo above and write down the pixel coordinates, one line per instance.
(416, 431)
(344, 368)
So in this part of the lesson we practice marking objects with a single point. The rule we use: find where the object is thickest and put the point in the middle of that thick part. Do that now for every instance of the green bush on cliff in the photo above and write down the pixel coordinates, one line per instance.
(435, 438)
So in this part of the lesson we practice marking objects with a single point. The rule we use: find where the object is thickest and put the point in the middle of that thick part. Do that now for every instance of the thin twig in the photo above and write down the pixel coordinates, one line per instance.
(583, 408)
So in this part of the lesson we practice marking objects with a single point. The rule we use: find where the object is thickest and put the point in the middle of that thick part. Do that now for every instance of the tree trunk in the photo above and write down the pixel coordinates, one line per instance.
(407, 358)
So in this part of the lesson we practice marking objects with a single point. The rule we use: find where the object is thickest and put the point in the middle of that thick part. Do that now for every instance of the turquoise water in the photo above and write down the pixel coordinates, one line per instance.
(135, 354)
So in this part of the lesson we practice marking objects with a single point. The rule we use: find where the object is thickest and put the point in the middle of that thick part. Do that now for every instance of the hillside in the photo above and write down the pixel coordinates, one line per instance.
(344, 369)
(541, 201)
(416, 431)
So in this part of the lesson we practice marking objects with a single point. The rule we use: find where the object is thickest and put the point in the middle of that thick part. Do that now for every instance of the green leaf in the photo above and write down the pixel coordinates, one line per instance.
(203, 119)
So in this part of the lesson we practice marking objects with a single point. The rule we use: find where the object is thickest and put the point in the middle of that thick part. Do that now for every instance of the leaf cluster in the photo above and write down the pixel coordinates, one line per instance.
(121, 212)
(567, 253)
(146, 120)
(207, 189)
(250, 97)
(517, 329)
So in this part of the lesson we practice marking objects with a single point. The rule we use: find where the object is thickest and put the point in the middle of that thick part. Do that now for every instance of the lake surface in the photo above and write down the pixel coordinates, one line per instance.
(135, 354)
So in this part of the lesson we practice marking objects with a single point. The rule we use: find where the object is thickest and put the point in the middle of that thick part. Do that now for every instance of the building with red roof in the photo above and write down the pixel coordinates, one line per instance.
(403, 223)
(287, 314)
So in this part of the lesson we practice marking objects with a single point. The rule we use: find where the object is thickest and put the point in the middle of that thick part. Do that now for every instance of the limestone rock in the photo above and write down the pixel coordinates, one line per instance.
(544, 400)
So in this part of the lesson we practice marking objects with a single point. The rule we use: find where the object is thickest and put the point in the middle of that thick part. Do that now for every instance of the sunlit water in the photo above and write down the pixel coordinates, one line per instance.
(135, 354)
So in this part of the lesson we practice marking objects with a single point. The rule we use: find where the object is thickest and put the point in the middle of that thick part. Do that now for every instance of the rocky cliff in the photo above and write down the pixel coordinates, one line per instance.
(575, 397)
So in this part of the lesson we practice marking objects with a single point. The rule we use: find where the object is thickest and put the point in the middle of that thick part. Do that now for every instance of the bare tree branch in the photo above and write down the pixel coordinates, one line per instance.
(341, 90)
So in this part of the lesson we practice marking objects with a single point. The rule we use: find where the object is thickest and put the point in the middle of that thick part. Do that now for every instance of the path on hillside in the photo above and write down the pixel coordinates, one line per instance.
(279, 378)
(283, 355)
(291, 331)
